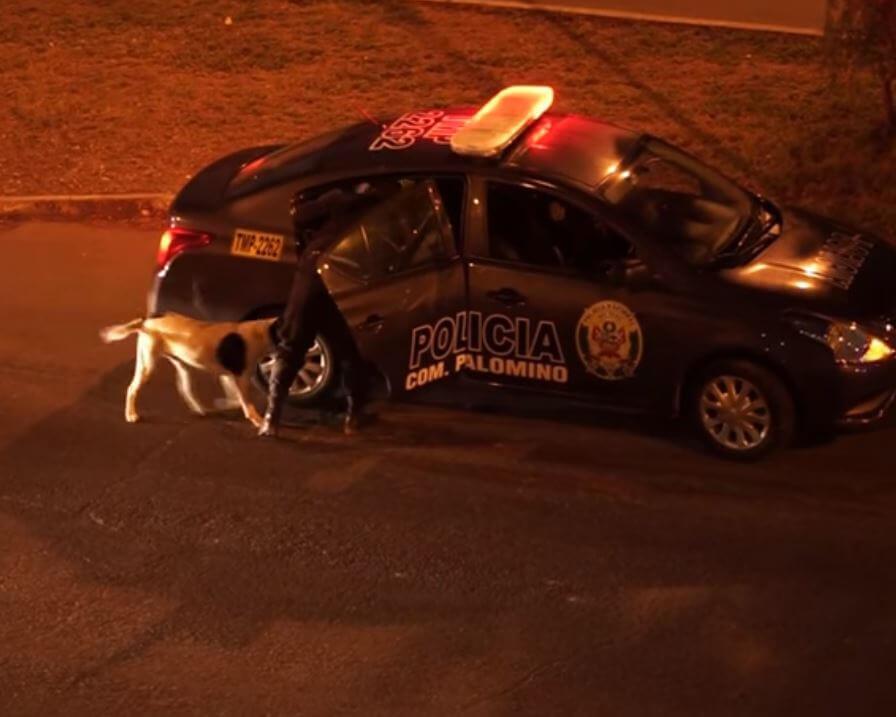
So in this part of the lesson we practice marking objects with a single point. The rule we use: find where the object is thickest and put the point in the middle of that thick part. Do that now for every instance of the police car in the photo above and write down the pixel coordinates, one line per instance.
(559, 256)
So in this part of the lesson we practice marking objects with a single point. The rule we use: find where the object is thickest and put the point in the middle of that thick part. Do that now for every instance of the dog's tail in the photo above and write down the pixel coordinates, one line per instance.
(118, 332)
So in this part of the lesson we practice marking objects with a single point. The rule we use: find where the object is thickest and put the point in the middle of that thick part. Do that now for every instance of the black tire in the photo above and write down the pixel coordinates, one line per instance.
(741, 410)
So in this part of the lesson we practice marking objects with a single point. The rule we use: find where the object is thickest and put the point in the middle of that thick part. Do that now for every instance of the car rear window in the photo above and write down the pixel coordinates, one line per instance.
(290, 161)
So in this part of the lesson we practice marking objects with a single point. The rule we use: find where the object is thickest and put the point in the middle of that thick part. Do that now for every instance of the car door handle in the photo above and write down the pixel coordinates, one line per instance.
(373, 323)
(507, 296)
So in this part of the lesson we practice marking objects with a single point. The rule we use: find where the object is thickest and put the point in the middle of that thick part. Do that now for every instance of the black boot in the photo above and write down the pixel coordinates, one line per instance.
(354, 385)
(350, 425)
(283, 372)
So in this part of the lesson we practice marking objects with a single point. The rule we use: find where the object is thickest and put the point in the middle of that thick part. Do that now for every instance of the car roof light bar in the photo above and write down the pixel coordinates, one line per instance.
(501, 120)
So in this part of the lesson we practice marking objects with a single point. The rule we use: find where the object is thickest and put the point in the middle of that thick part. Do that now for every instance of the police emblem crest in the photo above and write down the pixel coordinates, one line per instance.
(609, 340)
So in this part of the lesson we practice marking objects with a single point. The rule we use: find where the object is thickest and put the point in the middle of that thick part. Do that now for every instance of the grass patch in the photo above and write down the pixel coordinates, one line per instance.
(124, 96)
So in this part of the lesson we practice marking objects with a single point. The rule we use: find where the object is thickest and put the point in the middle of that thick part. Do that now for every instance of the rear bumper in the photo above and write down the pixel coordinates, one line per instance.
(219, 287)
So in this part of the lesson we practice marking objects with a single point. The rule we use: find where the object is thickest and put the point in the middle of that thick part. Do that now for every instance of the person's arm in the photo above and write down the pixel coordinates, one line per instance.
(311, 213)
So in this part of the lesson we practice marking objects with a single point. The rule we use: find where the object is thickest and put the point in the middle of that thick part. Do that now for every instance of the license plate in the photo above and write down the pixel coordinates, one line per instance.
(257, 245)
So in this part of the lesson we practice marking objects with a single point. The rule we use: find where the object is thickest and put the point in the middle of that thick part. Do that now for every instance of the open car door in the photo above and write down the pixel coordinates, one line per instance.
(399, 281)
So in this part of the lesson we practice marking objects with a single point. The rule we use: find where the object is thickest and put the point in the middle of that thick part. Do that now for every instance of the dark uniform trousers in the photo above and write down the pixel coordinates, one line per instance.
(311, 311)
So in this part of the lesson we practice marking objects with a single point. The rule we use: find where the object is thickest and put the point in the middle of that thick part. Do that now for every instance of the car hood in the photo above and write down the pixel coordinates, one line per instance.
(825, 267)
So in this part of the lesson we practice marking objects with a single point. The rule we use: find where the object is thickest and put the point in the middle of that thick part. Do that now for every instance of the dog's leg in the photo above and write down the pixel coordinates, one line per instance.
(240, 386)
(146, 362)
(185, 388)
(231, 398)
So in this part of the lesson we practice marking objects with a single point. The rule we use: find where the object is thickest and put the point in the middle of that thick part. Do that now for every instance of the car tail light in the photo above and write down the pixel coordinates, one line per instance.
(176, 240)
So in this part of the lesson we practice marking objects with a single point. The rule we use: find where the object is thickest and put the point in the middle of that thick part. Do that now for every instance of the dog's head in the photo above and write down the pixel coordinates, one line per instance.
(260, 337)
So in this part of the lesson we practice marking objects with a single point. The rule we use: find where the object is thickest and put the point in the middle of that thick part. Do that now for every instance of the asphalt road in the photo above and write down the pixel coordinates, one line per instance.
(442, 562)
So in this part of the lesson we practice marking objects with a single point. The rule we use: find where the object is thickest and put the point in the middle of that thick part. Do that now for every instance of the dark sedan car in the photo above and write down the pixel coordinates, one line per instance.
(560, 256)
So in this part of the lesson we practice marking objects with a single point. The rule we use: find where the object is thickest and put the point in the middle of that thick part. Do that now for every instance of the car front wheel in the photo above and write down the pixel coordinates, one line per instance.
(742, 410)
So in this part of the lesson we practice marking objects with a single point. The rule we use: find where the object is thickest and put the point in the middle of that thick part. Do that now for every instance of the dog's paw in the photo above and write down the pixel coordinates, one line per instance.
(131, 417)
(350, 426)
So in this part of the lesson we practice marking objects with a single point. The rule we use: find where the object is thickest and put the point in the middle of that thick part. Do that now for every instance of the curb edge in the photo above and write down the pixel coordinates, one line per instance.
(149, 208)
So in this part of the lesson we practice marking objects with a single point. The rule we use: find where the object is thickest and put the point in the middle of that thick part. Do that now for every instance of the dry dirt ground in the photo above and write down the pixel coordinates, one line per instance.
(123, 96)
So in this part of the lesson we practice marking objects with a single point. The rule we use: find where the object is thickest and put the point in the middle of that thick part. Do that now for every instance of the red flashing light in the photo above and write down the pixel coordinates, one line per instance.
(538, 135)
(177, 240)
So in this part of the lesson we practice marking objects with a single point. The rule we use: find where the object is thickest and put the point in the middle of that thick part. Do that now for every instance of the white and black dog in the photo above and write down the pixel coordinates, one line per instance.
(228, 350)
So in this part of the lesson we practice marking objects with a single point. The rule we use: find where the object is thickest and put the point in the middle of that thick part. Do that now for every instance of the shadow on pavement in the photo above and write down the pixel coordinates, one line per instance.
(533, 554)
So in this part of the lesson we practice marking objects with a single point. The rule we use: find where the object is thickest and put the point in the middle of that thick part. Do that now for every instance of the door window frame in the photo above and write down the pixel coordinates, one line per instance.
(477, 246)
(454, 240)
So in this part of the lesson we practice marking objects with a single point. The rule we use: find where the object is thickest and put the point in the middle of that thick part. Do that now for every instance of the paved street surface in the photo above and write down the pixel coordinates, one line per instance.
(443, 562)
(800, 15)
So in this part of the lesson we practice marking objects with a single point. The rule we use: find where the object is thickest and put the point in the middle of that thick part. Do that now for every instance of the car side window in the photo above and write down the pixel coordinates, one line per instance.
(408, 230)
(527, 226)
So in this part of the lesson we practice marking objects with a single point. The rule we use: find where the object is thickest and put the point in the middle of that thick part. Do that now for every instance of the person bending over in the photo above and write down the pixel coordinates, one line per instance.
(310, 310)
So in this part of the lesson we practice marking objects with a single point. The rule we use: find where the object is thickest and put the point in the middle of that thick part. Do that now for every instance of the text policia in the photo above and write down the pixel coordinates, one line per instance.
(494, 344)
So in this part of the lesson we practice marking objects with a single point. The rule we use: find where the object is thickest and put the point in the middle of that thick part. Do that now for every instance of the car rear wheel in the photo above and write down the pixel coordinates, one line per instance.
(742, 410)
(315, 379)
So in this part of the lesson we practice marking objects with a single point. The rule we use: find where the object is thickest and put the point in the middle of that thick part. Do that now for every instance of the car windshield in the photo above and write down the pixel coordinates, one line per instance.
(572, 147)
(671, 196)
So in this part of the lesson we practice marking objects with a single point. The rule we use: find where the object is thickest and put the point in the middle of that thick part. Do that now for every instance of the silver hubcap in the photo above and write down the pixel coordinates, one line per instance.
(313, 377)
(735, 413)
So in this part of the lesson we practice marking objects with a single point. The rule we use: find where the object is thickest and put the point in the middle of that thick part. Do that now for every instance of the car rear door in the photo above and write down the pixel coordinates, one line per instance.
(398, 279)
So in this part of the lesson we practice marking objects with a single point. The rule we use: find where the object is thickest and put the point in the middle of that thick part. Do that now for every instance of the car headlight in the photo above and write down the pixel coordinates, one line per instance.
(849, 342)
(852, 344)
